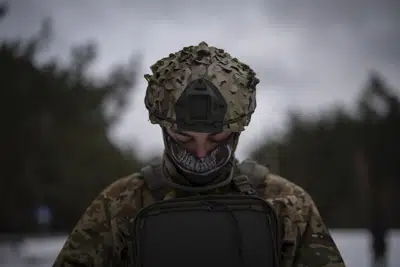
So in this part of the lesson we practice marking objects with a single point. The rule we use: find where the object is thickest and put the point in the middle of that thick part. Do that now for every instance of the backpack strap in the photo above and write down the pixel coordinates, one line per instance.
(152, 175)
(251, 179)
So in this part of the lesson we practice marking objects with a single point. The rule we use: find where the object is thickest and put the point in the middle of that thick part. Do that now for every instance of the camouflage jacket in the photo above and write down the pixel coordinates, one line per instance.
(100, 237)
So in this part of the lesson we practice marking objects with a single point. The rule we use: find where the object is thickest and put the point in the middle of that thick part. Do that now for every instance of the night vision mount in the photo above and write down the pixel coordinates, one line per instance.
(201, 108)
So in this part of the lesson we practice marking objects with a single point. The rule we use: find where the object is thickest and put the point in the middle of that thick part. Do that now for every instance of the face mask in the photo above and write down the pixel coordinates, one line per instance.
(190, 164)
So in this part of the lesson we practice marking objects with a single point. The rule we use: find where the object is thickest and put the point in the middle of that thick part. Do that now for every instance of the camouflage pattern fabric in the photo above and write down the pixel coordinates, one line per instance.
(101, 237)
(236, 82)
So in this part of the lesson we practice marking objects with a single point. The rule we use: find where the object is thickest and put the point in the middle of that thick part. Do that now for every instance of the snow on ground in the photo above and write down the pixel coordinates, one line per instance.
(41, 252)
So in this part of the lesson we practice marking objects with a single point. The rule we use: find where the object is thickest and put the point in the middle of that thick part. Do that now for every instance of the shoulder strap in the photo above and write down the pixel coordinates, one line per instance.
(152, 175)
(252, 177)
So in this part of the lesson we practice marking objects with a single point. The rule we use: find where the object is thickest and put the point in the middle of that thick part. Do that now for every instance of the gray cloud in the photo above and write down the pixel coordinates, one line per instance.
(372, 26)
(307, 53)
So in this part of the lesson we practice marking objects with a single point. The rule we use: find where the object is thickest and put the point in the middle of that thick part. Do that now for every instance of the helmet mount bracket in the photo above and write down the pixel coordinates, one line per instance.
(201, 108)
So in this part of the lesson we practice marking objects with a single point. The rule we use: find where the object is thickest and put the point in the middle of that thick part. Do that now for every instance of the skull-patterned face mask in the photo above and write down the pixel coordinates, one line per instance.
(183, 157)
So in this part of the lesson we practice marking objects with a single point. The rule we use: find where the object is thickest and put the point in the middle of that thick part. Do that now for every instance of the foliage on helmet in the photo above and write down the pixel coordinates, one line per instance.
(170, 76)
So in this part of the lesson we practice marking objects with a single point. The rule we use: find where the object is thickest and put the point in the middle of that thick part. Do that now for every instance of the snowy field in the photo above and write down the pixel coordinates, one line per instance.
(41, 252)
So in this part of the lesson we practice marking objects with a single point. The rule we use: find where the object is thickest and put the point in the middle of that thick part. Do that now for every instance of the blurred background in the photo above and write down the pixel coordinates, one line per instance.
(72, 90)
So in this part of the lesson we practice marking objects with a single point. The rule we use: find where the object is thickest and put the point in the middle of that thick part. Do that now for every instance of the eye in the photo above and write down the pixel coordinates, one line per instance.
(183, 139)
(219, 137)
(180, 138)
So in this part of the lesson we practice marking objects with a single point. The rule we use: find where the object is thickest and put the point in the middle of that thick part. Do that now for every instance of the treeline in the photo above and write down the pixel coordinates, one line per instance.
(349, 162)
(56, 150)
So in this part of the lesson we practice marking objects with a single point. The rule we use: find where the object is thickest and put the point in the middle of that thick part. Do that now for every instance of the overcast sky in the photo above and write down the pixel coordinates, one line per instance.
(308, 54)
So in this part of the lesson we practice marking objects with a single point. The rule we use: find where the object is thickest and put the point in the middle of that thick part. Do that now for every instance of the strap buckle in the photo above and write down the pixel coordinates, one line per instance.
(242, 182)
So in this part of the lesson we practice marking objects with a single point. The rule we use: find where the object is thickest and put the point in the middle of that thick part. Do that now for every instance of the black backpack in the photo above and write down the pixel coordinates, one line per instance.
(213, 230)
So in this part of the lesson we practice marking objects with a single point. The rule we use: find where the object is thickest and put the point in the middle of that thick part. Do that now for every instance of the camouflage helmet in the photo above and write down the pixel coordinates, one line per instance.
(203, 89)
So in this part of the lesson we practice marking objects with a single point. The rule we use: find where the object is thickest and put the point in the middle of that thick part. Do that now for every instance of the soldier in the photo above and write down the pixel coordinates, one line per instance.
(202, 98)
(380, 160)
